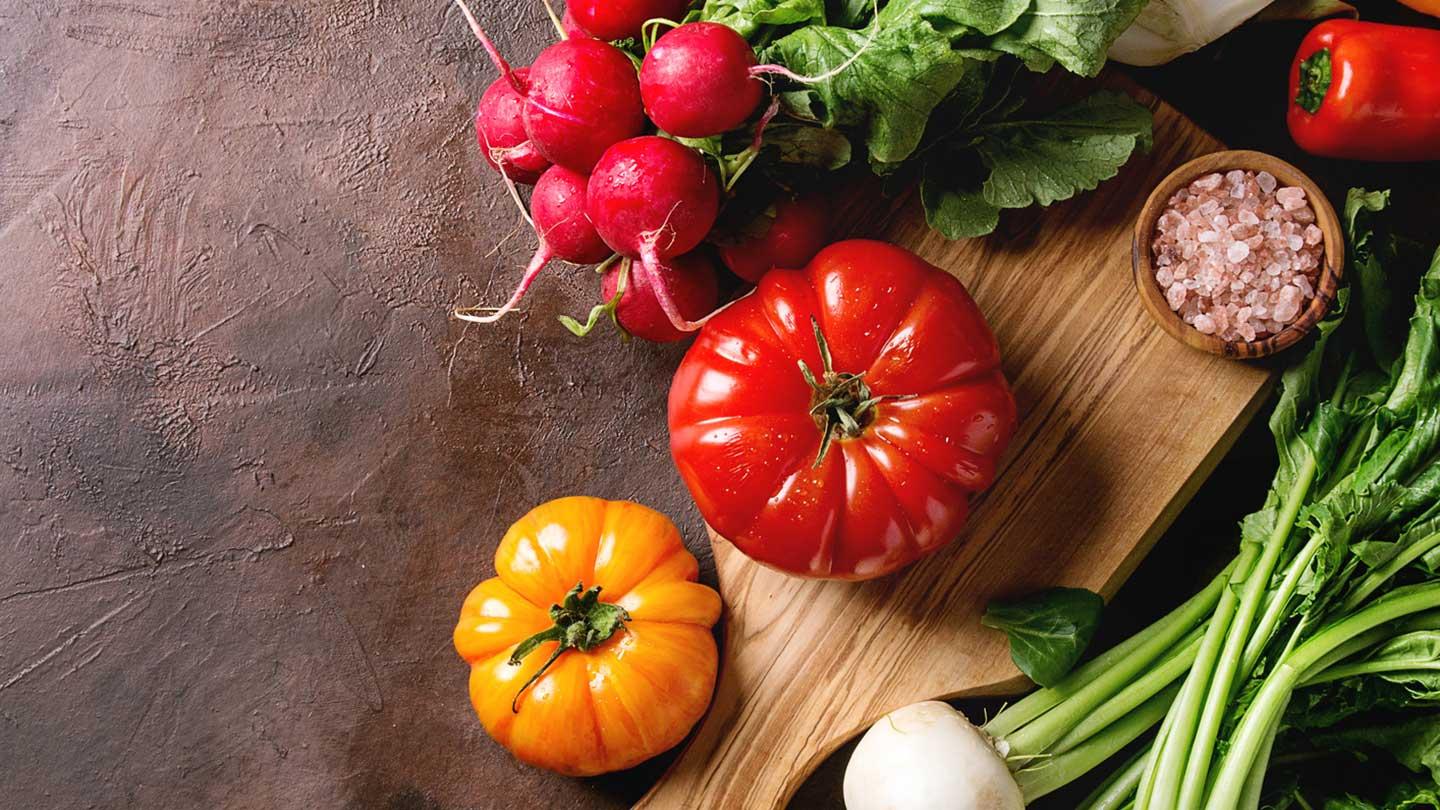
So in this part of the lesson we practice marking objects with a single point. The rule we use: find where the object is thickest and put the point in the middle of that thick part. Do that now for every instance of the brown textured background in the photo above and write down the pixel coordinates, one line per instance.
(248, 465)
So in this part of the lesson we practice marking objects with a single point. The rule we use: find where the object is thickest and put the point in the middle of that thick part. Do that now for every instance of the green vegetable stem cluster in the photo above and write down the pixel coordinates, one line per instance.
(1322, 637)
(927, 87)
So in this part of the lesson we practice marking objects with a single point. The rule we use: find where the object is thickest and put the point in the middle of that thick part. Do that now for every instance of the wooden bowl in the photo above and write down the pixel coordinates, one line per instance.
(1332, 263)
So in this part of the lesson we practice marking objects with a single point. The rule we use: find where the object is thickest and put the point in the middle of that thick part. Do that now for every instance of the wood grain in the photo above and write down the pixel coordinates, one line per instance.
(1331, 267)
(1119, 425)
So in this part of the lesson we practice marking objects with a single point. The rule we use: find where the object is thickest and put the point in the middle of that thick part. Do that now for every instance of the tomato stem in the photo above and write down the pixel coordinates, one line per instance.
(841, 402)
(582, 622)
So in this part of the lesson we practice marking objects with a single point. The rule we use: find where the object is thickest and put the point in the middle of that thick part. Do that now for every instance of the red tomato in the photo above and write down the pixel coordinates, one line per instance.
(855, 467)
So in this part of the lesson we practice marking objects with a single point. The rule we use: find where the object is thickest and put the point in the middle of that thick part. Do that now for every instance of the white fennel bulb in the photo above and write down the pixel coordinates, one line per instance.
(927, 756)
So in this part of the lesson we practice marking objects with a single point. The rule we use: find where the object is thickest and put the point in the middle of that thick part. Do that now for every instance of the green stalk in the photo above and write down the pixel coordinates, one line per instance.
(1374, 668)
(1147, 779)
(1268, 706)
(1255, 782)
(1196, 775)
(1379, 576)
(1161, 784)
(1139, 691)
(1118, 791)
(1056, 772)
(1136, 653)
(1275, 610)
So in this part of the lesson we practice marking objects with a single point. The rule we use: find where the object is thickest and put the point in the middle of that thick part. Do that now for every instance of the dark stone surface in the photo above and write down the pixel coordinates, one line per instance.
(251, 467)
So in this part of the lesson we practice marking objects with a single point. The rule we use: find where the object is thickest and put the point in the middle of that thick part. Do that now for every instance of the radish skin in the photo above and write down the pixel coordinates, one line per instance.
(572, 29)
(690, 281)
(500, 131)
(581, 96)
(622, 19)
(563, 230)
(800, 228)
(696, 80)
(927, 756)
(653, 199)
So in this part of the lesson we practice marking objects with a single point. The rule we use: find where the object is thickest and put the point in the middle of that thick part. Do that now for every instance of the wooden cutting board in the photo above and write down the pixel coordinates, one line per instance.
(1119, 425)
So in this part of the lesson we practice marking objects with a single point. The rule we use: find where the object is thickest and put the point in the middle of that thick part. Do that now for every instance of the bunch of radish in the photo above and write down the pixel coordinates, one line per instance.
(596, 138)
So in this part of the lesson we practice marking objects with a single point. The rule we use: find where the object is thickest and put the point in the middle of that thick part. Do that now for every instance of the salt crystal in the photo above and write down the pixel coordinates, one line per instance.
(1236, 256)
(1209, 182)
(1175, 296)
(1291, 197)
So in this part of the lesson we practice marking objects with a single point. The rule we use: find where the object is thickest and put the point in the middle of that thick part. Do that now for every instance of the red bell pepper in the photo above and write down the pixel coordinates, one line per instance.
(1367, 91)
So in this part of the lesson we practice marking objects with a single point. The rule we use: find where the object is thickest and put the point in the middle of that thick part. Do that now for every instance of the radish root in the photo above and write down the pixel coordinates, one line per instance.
(490, 49)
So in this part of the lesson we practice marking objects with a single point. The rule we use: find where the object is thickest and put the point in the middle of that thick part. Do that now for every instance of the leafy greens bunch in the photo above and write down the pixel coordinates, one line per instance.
(1328, 617)
(927, 88)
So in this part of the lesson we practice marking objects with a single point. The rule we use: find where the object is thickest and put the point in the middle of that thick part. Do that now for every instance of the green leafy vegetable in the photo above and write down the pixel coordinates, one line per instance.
(1075, 33)
(750, 17)
(926, 87)
(884, 81)
(1048, 631)
(1058, 156)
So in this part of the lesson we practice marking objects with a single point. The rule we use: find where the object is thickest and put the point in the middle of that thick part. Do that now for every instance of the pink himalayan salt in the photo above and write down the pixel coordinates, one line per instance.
(1236, 255)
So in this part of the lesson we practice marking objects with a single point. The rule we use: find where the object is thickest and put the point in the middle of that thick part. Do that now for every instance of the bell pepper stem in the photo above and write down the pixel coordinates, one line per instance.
(1314, 82)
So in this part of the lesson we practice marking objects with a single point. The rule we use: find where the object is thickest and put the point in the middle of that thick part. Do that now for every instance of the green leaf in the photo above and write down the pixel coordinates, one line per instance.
(985, 16)
(1058, 156)
(956, 212)
(1075, 33)
(750, 17)
(1403, 796)
(884, 82)
(1048, 631)
(816, 147)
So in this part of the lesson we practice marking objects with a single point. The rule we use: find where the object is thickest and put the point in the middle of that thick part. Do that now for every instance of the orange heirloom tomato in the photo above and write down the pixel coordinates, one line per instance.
(591, 651)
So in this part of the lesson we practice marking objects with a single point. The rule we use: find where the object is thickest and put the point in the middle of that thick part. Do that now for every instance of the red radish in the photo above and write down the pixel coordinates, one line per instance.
(689, 281)
(581, 96)
(796, 234)
(570, 28)
(696, 80)
(501, 132)
(558, 207)
(653, 199)
(622, 19)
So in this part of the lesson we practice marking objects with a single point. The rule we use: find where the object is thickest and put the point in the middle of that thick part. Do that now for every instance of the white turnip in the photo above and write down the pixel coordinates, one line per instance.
(927, 756)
